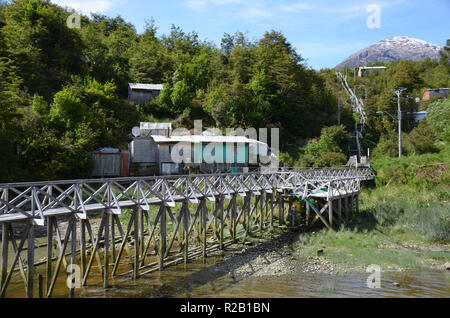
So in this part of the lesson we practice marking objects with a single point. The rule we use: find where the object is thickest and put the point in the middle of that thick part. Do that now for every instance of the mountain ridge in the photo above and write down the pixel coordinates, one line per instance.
(393, 49)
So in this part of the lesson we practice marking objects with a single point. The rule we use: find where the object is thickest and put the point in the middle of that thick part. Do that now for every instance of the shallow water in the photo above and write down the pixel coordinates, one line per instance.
(199, 279)
(412, 284)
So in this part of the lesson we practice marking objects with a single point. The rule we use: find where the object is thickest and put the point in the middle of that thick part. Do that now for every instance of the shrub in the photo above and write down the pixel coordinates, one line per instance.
(422, 140)
(331, 159)
(438, 118)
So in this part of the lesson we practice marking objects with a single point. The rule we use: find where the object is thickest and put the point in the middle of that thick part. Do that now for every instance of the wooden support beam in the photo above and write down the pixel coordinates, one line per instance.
(186, 217)
(74, 252)
(351, 206)
(357, 203)
(14, 262)
(94, 253)
(162, 236)
(30, 262)
(141, 232)
(106, 250)
(60, 259)
(203, 226)
(271, 209)
(261, 212)
(58, 239)
(113, 238)
(122, 246)
(234, 218)
(319, 214)
(340, 209)
(222, 223)
(280, 210)
(346, 208)
(307, 210)
(83, 246)
(176, 225)
(5, 247)
(15, 248)
(136, 243)
(330, 212)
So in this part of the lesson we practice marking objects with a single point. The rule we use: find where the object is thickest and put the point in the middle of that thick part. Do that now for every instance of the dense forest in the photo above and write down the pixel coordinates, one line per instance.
(63, 91)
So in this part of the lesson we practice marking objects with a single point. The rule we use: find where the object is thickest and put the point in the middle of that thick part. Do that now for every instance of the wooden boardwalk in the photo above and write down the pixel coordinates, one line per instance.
(170, 219)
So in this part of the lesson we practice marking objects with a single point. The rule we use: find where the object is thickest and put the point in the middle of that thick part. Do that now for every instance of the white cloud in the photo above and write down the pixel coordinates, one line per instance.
(203, 4)
(295, 7)
(89, 6)
(247, 10)
(196, 4)
(254, 13)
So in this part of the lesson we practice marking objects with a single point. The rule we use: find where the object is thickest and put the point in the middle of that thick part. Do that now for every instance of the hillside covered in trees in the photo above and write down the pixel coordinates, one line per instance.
(63, 90)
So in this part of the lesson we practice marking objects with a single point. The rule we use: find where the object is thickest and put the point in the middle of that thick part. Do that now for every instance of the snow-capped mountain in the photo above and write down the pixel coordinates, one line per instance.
(393, 49)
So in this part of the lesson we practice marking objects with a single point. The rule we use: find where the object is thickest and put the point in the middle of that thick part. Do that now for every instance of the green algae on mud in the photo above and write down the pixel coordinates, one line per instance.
(398, 228)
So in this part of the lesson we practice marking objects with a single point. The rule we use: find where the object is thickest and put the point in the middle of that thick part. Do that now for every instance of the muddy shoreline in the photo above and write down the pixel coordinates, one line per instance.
(273, 256)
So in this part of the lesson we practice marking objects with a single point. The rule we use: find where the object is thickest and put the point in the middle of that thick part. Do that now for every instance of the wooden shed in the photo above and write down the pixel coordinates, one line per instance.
(141, 94)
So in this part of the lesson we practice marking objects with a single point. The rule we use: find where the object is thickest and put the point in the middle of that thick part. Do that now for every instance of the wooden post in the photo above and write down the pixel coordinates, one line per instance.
(204, 224)
(30, 262)
(162, 232)
(340, 209)
(16, 257)
(83, 246)
(136, 243)
(5, 245)
(293, 215)
(74, 252)
(330, 212)
(247, 213)
(346, 207)
(106, 251)
(261, 212)
(271, 210)
(357, 203)
(113, 238)
(40, 287)
(281, 210)
(234, 217)
(291, 202)
(351, 207)
(222, 223)
(142, 234)
(307, 211)
(186, 230)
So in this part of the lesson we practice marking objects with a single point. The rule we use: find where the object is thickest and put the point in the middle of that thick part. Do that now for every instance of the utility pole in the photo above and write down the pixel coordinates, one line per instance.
(399, 91)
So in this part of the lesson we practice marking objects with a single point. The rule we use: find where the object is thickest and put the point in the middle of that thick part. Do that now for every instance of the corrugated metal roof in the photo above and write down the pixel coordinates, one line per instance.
(436, 89)
(205, 139)
(151, 87)
(155, 126)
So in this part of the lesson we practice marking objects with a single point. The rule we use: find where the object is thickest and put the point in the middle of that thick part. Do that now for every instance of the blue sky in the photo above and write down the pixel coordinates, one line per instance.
(323, 32)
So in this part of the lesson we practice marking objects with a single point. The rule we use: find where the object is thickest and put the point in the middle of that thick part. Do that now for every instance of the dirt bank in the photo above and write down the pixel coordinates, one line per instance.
(272, 257)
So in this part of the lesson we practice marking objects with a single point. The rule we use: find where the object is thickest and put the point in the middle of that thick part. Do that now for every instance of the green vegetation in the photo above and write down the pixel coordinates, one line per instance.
(405, 217)
(63, 91)
(63, 94)
(398, 228)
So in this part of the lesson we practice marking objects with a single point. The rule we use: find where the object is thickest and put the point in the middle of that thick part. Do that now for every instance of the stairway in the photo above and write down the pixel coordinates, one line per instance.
(354, 147)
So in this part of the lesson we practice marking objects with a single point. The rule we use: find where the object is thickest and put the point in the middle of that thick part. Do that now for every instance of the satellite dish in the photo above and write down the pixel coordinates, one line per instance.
(136, 131)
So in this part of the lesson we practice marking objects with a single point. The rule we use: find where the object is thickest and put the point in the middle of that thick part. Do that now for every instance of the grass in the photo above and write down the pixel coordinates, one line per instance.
(397, 228)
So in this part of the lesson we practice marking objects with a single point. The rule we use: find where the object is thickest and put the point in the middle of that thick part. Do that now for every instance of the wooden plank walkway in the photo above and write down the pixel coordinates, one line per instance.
(168, 215)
